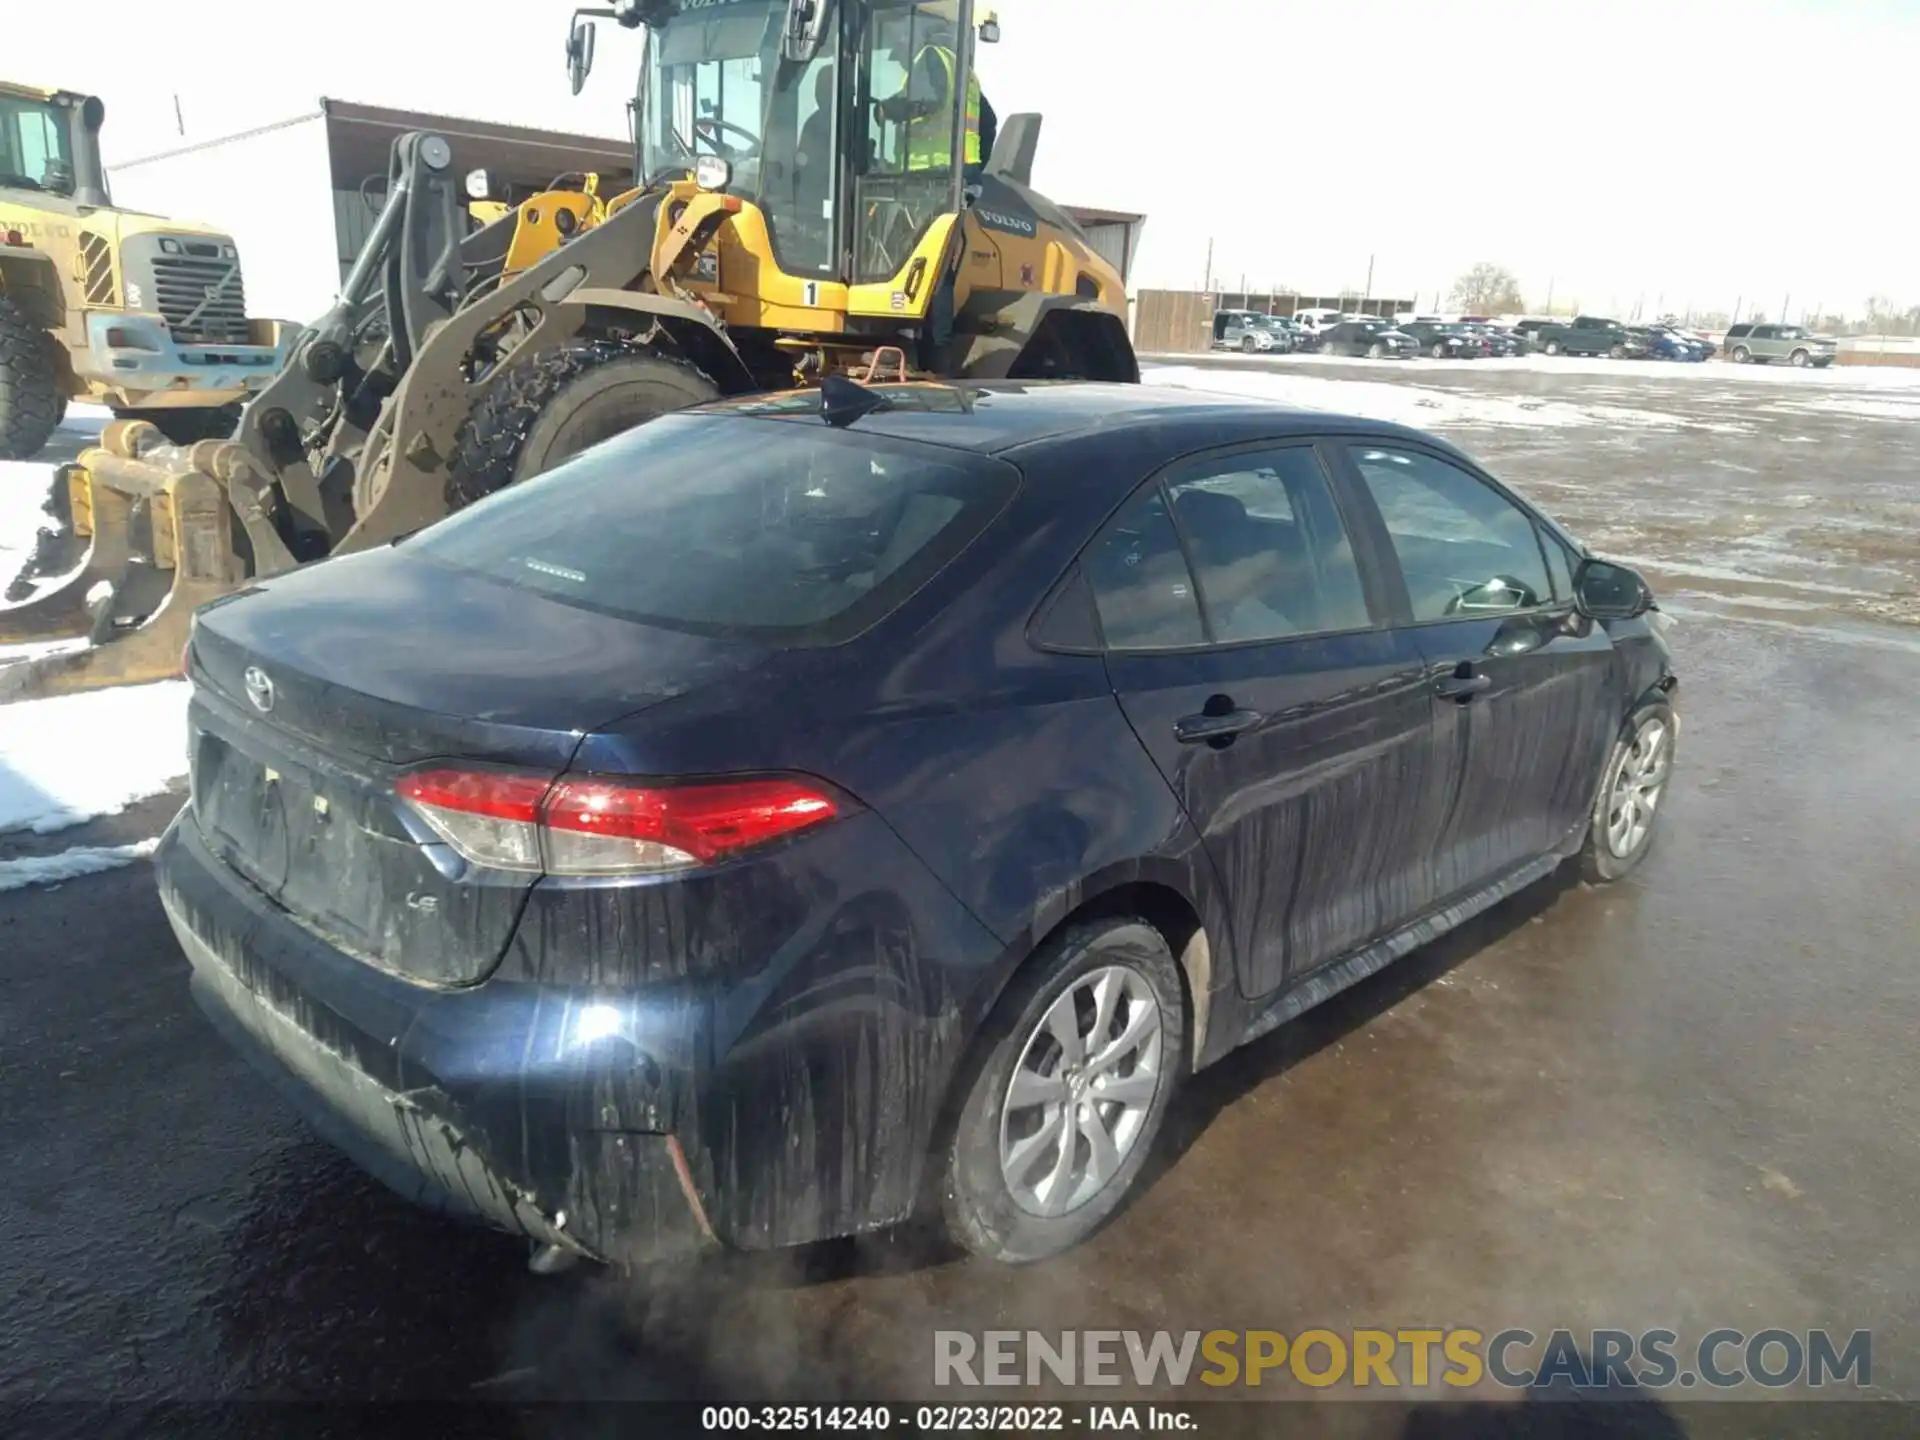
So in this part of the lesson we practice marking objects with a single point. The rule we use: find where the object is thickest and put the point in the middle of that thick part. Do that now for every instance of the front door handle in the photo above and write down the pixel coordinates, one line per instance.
(1203, 728)
(1462, 688)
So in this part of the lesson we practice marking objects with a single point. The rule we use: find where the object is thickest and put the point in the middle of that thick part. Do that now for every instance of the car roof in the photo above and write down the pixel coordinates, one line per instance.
(998, 416)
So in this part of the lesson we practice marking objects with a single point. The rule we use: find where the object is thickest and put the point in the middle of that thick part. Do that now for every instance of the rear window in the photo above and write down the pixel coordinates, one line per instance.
(731, 526)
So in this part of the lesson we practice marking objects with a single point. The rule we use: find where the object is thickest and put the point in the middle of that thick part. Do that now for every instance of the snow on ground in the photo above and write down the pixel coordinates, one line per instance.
(1421, 406)
(70, 758)
(71, 864)
(26, 486)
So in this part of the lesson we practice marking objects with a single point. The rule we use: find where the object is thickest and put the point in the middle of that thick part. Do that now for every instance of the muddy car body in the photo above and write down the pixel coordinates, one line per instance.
(764, 850)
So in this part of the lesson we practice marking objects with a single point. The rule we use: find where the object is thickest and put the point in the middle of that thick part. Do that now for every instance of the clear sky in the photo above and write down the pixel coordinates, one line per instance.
(1687, 152)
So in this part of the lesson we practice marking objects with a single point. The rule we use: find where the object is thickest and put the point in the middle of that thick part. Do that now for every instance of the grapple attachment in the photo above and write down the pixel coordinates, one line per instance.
(162, 525)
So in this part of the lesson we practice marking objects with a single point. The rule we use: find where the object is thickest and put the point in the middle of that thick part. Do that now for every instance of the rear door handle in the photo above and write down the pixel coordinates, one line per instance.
(1198, 729)
(1461, 687)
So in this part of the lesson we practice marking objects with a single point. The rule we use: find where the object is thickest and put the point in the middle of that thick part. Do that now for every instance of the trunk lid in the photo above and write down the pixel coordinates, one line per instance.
(316, 691)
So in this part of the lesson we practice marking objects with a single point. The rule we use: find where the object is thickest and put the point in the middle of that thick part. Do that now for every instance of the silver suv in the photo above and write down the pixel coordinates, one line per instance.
(1792, 343)
(1249, 331)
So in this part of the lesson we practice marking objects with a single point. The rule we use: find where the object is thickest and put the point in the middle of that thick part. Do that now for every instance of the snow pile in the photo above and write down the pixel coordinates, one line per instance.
(71, 864)
(1420, 406)
(67, 759)
(24, 489)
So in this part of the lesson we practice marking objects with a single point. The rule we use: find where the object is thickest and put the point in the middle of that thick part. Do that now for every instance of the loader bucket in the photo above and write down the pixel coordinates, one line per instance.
(162, 531)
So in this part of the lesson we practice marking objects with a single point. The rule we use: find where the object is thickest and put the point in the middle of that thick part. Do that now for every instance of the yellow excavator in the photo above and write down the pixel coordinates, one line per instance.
(821, 189)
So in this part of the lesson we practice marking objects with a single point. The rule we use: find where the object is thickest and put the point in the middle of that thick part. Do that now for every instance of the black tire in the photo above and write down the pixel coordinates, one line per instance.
(189, 427)
(1800, 358)
(1439, 351)
(551, 407)
(1376, 351)
(1247, 345)
(979, 1209)
(30, 400)
(1601, 862)
(1553, 347)
(1618, 352)
(1741, 355)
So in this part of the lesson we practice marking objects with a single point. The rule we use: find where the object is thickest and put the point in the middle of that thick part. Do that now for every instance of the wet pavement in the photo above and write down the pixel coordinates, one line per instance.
(1688, 1100)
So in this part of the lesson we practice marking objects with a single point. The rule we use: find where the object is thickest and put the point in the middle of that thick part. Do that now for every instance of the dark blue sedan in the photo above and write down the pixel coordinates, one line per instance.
(785, 815)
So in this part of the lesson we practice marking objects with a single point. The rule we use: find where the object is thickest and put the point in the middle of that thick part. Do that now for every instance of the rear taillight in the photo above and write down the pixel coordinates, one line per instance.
(583, 825)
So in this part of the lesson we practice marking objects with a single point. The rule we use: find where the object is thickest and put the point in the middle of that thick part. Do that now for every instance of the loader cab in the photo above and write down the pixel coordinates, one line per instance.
(848, 132)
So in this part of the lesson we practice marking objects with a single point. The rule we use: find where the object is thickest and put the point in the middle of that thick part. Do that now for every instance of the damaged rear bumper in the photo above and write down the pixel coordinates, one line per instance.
(460, 1100)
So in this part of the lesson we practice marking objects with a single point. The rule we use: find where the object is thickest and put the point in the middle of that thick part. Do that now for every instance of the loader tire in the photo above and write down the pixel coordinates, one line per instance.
(30, 400)
(189, 427)
(559, 403)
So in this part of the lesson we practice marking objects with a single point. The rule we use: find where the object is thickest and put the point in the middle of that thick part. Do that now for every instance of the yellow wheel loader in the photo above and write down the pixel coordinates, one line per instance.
(821, 190)
(145, 315)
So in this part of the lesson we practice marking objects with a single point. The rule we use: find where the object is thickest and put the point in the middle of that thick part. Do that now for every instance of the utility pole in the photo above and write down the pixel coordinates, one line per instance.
(1785, 301)
(1365, 299)
(1549, 309)
(179, 120)
(1209, 285)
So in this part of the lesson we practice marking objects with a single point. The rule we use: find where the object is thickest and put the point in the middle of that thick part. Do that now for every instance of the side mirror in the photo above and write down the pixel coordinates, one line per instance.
(579, 53)
(1603, 590)
(806, 29)
(990, 29)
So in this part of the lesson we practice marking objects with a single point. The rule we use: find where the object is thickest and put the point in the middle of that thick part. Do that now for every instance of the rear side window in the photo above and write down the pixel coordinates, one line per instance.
(1141, 585)
(722, 526)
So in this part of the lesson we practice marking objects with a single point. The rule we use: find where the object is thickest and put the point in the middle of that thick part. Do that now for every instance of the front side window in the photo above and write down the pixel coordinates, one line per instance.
(1269, 551)
(1464, 548)
(34, 149)
(911, 80)
(1141, 585)
(718, 85)
(712, 524)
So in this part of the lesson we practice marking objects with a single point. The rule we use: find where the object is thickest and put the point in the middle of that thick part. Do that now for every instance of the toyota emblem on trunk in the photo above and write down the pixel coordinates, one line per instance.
(259, 688)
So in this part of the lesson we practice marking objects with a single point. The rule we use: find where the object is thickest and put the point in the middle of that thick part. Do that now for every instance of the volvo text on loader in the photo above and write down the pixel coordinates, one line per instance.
(817, 195)
(142, 314)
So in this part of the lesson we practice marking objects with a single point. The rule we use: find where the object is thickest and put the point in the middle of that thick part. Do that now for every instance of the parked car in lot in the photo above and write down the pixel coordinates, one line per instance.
(1590, 335)
(1374, 337)
(1446, 340)
(797, 806)
(1661, 342)
(1532, 328)
(1499, 341)
(1248, 331)
(1299, 337)
(1793, 343)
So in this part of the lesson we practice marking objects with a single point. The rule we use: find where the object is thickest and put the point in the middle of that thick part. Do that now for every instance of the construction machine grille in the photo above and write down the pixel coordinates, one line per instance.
(201, 299)
(96, 260)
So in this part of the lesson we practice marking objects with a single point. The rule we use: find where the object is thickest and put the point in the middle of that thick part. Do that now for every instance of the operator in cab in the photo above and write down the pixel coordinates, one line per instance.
(929, 94)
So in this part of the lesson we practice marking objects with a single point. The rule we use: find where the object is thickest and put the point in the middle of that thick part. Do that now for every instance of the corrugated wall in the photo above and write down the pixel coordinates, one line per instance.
(1173, 322)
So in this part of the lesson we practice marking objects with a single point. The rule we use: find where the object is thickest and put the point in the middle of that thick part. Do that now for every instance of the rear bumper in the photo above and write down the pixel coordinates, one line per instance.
(156, 371)
(411, 1082)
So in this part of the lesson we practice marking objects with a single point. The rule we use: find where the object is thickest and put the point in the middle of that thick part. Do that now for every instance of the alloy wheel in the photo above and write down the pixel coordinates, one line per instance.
(1081, 1091)
(1637, 787)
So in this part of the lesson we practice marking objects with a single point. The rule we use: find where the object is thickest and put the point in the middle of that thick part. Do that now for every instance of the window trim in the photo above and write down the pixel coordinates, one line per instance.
(1376, 595)
(1389, 556)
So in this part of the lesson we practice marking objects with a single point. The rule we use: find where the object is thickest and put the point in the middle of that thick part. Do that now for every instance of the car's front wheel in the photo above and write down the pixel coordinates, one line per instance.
(1376, 351)
(1248, 345)
(1553, 347)
(1800, 358)
(1636, 779)
(1077, 1068)
(1741, 355)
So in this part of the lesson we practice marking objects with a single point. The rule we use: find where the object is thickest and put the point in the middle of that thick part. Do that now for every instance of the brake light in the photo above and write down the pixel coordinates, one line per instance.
(585, 825)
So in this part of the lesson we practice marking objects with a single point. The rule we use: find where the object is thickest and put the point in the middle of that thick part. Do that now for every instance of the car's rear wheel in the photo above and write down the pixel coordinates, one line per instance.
(1439, 351)
(1553, 347)
(1636, 779)
(1741, 355)
(1800, 358)
(1077, 1067)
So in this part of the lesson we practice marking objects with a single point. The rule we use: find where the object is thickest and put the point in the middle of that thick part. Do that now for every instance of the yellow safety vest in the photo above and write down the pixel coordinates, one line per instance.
(930, 139)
